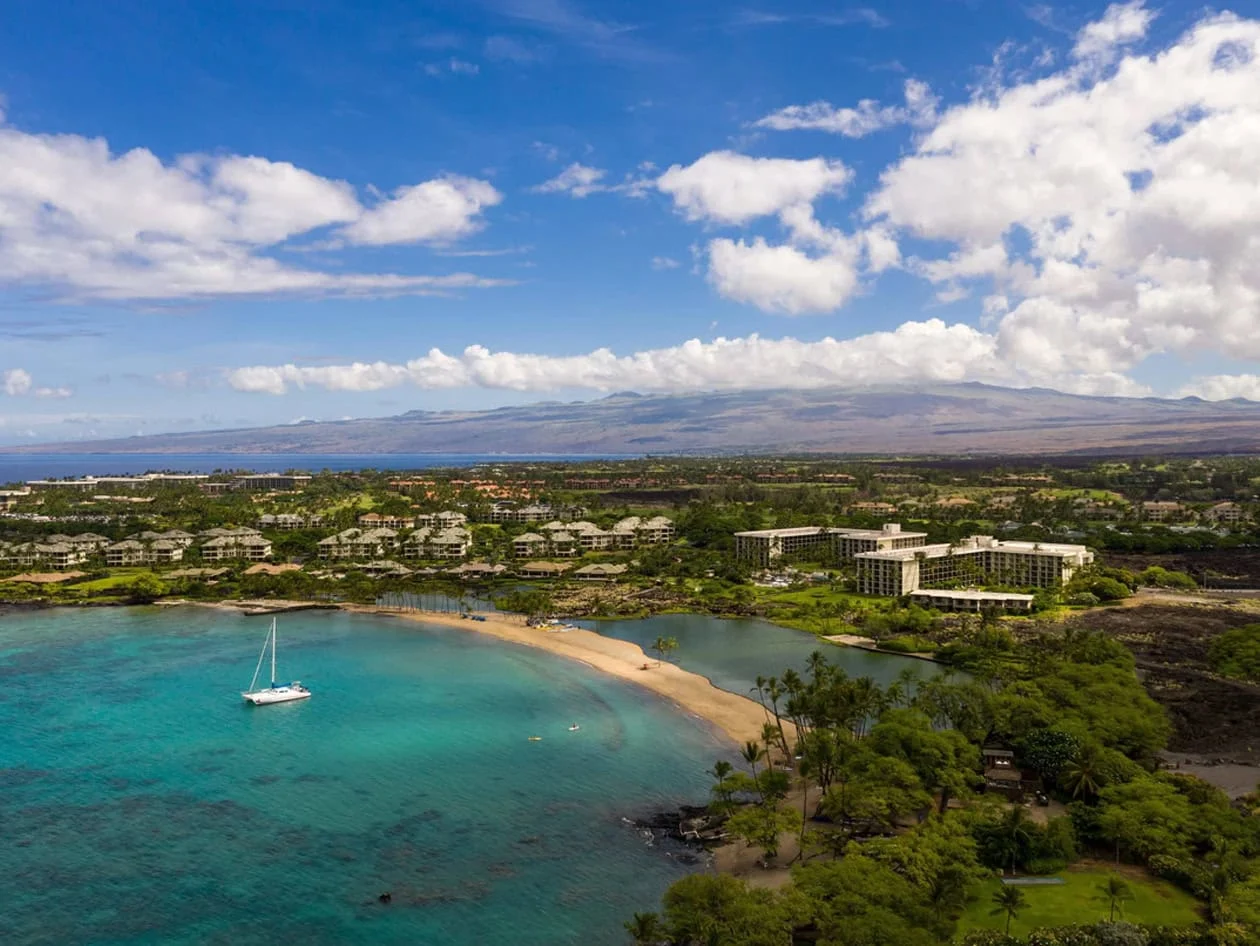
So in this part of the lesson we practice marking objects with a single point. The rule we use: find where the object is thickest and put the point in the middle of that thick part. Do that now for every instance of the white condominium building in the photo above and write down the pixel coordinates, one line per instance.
(979, 559)
(763, 546)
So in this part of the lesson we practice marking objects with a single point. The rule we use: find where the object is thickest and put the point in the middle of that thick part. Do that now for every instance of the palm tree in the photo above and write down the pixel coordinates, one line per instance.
(907, 683)
(1016, 832)
(865, 702)
(721, 790)
(947, 893)
(816, 664)
(751, 753)
(1083, 775)
(759, 687)
(775, 693)
(804, 769)
(769, 739)
(1113, 892)
(1009, 901)
(645, 928)
(663, 647)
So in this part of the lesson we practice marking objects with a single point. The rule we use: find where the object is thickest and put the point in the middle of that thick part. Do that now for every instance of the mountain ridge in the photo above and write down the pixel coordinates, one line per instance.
(927, 420)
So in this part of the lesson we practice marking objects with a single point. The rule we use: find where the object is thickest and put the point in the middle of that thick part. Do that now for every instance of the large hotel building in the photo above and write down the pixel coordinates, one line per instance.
(980, 559)
(764, 546)
(893, 563)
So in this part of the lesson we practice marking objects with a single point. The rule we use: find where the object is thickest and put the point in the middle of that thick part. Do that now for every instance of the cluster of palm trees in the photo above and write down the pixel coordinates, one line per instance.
(829, 699)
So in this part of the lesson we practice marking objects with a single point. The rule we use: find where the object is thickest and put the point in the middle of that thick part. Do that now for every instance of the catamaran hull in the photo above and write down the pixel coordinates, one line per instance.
(266, 697)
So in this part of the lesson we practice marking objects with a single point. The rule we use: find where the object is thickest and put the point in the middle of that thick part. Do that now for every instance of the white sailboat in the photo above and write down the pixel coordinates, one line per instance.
(277, 692)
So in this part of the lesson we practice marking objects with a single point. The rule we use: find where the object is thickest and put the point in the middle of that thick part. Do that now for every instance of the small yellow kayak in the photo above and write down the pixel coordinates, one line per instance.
(535, 738)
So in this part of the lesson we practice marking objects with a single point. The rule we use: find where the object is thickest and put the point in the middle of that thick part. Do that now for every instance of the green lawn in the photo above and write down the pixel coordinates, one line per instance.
(363, 501)
(1067, 492)
(123, 576)
(790, 608)
(1154, 901)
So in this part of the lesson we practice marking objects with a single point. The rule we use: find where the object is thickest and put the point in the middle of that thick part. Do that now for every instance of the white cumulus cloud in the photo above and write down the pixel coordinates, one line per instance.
(577, 180)
(1109, 214)
(781, 278)
(77, 217)
(731, 188)
(436, 211)
(916, 351)
(1122, 23)
(17, 381)
(856, 122)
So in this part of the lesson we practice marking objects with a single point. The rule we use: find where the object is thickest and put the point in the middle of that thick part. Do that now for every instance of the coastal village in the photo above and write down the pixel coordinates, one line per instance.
(1032, 591)
(818, 545)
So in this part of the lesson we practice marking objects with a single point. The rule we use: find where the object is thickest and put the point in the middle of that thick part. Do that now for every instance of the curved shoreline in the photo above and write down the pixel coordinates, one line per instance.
(736, 717)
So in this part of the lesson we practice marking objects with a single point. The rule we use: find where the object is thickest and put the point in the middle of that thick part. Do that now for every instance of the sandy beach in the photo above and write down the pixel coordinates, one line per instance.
(736, 717)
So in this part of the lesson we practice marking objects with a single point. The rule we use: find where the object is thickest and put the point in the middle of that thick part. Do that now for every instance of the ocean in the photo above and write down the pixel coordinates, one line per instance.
(144, 803)
(18, 467)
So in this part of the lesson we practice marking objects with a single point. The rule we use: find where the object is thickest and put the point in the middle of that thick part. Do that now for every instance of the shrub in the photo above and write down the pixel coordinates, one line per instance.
(1059, 841)
(1178, 936)
(1119, 934)
(1157, 577)
(989, 938)
(1044, 866)
(1236, 653)
(1048, 750)
(1084, 599)
(1108, 589)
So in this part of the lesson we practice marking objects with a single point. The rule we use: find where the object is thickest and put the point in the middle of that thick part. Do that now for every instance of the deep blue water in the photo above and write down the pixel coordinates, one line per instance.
(143, 803)
(15, 468)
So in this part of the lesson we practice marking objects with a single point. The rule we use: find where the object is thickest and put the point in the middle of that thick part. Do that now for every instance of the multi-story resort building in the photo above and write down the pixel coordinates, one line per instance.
(96, 482)
(250, 547)
(288, 521)
(1162, 511)
(570, 539)
(763, 546)
(510, 512)
(1226, 512)
(271, 481)
(976, 560)
(54, 551)
(374, 520)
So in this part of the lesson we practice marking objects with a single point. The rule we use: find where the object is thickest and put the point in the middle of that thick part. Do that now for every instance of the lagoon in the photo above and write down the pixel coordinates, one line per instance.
(733, 652)
(144, 803)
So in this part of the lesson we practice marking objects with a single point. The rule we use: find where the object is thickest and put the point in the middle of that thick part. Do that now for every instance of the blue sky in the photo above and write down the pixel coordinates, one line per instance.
(229, 214)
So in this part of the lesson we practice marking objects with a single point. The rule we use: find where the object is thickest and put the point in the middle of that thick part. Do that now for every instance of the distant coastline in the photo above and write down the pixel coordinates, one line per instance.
(18, 465)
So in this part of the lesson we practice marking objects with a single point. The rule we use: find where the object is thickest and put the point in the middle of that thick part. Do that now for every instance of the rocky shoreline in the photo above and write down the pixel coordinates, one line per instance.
(691, 824)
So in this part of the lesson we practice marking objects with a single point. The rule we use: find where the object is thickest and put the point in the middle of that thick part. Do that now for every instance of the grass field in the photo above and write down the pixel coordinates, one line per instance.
(799, 608)
(1076, 901)
(123, 576)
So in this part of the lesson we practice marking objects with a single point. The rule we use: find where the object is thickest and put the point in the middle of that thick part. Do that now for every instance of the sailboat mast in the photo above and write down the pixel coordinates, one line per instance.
(273, 651)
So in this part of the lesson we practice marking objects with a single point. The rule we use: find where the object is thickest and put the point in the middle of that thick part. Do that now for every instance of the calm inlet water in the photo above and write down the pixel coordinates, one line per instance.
(143, 803)
(733, 653)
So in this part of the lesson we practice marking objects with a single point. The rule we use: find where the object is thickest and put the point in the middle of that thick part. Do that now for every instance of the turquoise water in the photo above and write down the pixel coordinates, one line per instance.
(733, 653)
(143, 803)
